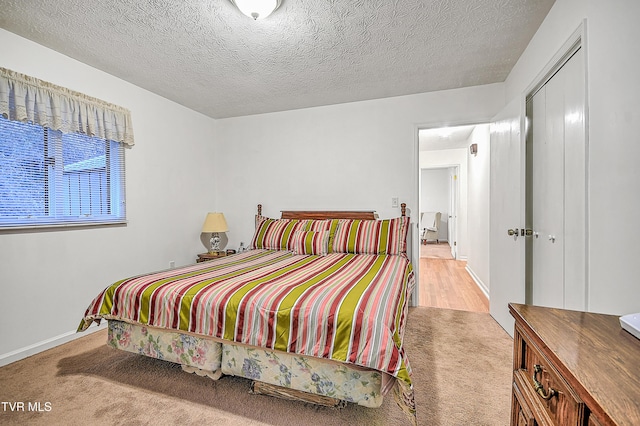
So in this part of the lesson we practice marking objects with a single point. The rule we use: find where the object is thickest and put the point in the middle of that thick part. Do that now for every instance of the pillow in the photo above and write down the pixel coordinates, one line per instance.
(274, 234)
(310, 242)
(315, 224)
(388, 236)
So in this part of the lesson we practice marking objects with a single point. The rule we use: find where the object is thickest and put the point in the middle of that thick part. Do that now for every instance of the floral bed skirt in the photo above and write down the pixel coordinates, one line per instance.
(206, 356)
(184, 349)
(341, 381)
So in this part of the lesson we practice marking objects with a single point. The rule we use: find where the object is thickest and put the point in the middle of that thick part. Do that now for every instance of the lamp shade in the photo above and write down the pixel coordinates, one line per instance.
(215, 222)
(257, 9)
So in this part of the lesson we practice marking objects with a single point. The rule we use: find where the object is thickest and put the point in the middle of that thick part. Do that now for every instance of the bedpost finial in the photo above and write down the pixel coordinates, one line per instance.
(403, 209)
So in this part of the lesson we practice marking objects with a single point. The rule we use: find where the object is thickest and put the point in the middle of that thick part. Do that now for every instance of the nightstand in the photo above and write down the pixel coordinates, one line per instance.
(203, 257)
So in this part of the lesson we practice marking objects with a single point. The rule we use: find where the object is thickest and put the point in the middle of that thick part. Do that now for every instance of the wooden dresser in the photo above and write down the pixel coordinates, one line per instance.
(573, 368)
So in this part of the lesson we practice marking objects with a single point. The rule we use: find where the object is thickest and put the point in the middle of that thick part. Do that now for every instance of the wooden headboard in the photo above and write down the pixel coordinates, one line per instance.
(328, 214)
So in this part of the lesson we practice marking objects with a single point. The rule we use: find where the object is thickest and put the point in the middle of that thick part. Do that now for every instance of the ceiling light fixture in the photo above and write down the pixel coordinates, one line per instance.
(257, 9)
(445, 132)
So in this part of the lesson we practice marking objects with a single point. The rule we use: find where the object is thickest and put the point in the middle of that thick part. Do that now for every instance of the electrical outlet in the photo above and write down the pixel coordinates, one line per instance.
(172, 264)
(394, 202)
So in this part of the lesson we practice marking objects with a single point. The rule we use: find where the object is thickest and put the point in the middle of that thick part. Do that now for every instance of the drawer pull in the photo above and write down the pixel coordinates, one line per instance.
(538, 386)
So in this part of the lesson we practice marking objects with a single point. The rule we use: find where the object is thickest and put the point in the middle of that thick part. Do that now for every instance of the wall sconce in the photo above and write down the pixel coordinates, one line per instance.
(473, 149)
(215, 223)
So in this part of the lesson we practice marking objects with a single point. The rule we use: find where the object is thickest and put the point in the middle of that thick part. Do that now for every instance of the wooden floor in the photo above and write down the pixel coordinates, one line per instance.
(445, 283)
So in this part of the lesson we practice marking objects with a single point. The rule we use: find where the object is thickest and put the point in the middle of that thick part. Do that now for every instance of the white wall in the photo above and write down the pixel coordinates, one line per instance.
(435, 194)
(613, 177)
(478, 211)
(349, 156)
(446, 158)
(48, 278)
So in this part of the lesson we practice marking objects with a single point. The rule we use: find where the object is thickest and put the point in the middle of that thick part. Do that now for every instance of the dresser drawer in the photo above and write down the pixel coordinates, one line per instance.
(521, 414)
(593, 421)
(551, 398)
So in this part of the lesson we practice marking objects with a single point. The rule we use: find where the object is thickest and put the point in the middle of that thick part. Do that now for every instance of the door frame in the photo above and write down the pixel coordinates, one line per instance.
(453, 194)
(415, 230)
(452, 222)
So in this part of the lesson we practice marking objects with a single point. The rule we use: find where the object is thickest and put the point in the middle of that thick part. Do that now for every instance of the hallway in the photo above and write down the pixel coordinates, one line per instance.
(445, 283)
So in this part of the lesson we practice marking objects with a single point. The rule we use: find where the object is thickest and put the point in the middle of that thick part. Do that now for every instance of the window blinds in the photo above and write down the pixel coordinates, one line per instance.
(61, 156)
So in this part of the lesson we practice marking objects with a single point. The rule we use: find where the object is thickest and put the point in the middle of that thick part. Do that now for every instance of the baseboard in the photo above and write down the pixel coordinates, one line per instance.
(27, 351)
(478, 281)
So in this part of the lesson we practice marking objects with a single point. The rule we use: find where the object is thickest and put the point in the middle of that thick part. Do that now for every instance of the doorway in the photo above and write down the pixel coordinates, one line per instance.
(438, 211)
(444, 186)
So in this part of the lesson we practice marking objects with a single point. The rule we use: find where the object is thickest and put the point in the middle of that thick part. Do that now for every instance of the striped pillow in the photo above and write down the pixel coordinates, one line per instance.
(388, 236)
(274, 234)
(315, 224)
(310, 242)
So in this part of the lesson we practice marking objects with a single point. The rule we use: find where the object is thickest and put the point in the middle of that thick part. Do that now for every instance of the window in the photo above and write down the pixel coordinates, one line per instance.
(48, 177)
(61, 155)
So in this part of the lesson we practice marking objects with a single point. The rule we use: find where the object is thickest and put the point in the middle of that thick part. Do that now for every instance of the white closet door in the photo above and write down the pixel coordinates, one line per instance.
(548, 194)
(558, 189)
(575, 183)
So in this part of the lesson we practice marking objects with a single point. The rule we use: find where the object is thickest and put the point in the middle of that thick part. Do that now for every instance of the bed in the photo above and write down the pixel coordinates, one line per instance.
(314, 311)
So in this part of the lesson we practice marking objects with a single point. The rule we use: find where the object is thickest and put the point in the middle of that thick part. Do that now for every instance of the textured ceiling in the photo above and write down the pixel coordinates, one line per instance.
(206, 55)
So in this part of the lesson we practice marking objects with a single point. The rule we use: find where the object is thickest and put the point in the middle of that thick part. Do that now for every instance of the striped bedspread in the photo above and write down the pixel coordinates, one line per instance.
(345, 307)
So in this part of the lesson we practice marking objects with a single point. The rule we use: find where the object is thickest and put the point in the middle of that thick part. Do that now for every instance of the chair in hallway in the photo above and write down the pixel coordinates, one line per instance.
(429, 224)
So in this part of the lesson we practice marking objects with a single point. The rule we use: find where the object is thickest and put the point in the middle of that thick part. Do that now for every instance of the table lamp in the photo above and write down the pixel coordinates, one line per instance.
(215, 223)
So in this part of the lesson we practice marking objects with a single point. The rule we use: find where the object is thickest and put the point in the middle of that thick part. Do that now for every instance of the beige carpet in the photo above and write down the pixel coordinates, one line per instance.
(461, 372)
